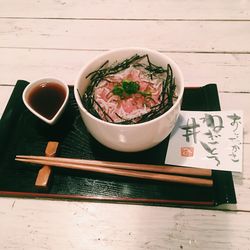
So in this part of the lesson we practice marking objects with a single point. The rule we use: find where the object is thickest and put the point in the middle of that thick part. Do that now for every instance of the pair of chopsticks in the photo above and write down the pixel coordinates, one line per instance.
(165, 173)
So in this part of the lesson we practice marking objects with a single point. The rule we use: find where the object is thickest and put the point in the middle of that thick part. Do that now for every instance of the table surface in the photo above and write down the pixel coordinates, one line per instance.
(210, 40)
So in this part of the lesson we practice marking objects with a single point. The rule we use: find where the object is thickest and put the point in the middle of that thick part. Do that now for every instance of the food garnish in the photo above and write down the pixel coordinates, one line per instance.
(129, 92)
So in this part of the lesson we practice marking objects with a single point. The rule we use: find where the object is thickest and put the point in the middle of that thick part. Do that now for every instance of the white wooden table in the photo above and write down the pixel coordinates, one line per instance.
(210, 40)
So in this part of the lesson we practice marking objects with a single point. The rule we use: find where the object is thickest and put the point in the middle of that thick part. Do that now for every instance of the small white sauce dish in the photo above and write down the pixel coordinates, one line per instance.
(46, 98)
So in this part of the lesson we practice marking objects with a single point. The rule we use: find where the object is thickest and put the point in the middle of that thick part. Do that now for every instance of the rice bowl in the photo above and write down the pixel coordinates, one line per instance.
(117, 133)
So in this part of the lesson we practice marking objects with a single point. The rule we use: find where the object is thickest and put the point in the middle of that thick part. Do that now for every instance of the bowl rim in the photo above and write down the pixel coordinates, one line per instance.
(138, 49)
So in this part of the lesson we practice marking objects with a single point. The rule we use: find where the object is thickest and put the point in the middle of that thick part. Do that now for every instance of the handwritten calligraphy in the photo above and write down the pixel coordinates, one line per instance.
(235, 142)
(216, 136)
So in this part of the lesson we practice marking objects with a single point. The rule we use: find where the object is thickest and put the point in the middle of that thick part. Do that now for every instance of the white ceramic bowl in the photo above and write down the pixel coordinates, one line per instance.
(132, 137)
(32, 86)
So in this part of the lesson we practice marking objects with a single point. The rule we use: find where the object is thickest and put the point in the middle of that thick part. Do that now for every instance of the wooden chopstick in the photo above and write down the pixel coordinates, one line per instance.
(74, 164)
(121, 165)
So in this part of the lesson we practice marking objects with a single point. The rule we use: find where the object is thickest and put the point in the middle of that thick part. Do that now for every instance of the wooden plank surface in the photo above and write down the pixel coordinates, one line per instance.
(74, 225)
(210, 42)
(229, 71)
(169, 36)
(133, 9)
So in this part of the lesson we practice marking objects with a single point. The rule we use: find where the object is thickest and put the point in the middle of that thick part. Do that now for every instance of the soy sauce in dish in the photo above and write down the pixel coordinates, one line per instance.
(47, 98)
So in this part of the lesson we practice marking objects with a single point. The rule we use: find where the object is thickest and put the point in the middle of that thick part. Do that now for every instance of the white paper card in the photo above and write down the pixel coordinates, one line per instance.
(210, 140)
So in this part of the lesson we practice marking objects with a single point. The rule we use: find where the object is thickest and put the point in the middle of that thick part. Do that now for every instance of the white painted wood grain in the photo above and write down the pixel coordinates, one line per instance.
(123, 9)
(74, 225)
(55, 38)
(32, 64)
(229, 71)
(168, 36)
(5, 95)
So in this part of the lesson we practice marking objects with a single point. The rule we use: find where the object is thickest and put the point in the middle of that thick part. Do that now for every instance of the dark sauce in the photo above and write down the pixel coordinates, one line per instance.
(47, 99)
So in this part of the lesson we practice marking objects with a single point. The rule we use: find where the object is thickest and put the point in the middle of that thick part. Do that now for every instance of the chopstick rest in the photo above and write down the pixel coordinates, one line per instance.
(44, 173)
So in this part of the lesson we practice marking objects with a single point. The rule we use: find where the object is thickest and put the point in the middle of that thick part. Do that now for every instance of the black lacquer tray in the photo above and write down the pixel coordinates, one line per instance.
(22, 133)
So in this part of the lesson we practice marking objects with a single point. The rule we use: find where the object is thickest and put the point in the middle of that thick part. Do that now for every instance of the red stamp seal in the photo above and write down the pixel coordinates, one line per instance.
(187, 151)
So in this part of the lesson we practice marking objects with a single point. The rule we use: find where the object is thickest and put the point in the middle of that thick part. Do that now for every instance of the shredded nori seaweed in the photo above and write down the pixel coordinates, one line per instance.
(166, 98)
